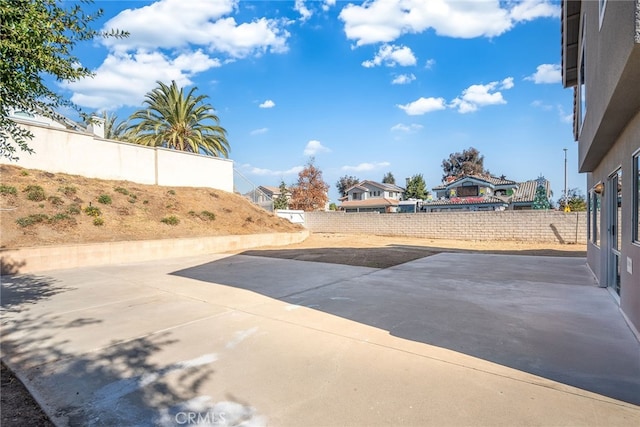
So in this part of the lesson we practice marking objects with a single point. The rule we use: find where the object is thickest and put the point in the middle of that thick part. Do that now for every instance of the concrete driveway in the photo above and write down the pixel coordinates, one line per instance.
(450, 339)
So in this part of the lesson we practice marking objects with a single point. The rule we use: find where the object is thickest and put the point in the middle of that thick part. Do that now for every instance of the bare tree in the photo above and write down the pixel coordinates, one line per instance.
(310, 193)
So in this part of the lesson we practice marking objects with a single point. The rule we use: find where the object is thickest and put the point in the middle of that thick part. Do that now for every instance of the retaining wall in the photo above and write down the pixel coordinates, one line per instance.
(538, 226)
(75, 153)
(29, 260)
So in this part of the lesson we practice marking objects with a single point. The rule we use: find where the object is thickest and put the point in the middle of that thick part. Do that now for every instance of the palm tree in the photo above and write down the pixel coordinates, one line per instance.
(175, 120)
(114, 129)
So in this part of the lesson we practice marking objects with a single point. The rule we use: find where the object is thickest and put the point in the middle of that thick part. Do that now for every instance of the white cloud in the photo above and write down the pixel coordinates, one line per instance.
(313, 147)
(167, 42)
(564, 117)
(270, 172)
(267, 104)
(403, 79)
(364, 167)
(528, 10)
(546, 73)
(476, 96)
(540, 104)
(328, 4)
(174, 24)
(472, 98)
(391, 55)
(507, 83)
(423, 105)
(378, 21)
(430, 63)
(259, 131)
(401, 127)
(123, 79)
(302, 9)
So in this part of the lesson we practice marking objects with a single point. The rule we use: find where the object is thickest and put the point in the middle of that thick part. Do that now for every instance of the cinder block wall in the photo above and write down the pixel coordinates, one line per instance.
(537, 226)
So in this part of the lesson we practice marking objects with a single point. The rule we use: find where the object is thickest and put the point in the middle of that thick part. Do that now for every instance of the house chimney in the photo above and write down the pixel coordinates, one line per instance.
(96, 126)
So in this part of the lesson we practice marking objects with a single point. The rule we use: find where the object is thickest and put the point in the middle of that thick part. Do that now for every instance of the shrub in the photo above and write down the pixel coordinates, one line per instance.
(55, 200)
(74, 209)
(59, 217)
(31, 219)
(171, 192)
(24, 173)
(105, 199)
(68, 190)
(121, 190)
(209, 216)
(145, 202)
(170, 220)
(92, 211)
(62, 220)
(8, 189)
(98, 222)
(35, 193)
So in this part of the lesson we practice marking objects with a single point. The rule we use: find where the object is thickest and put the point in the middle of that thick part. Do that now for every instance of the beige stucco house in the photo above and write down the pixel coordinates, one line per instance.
(601, 63)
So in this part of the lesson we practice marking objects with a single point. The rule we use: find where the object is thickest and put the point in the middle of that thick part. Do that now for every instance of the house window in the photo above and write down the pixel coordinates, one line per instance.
(602, 5)
(595, 225)
(636, 197)
(357, 196)
(582, 91)
(467, 191)
(589, 214)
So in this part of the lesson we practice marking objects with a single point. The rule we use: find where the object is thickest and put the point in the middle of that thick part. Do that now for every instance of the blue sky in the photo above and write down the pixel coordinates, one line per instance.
(365, 87)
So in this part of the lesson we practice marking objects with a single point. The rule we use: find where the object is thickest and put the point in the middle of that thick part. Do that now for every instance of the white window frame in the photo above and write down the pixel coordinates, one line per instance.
(582, 87)
(635, 188)
(602, 6)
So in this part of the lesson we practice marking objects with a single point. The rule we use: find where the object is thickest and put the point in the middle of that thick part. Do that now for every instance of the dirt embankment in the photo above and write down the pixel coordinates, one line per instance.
(42, 208)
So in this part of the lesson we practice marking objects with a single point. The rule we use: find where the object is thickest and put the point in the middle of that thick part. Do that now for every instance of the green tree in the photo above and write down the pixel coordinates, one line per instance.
(310, 194)
(541, 198)
(416, 188)
(282, 201)
(388, 178)
(179, 121)
(36, 41)
(114, 128)
(345, 183)
(469, 162)
(576, 201)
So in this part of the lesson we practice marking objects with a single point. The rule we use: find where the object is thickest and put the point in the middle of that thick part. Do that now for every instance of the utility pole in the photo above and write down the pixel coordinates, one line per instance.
(566, 195)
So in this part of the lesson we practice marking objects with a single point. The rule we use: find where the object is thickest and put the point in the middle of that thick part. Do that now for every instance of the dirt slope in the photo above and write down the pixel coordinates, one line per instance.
(57, 214)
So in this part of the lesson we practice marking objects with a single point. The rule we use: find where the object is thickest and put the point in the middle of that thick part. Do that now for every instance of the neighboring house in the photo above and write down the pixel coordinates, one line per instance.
(601, 62)
(264, 195)
(483, 193)
(371, 196)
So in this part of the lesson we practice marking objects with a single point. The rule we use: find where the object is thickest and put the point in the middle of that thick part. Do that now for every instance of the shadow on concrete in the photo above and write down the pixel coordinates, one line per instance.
(120, 384)
(389, 256)
(541, 315)
(19, 292)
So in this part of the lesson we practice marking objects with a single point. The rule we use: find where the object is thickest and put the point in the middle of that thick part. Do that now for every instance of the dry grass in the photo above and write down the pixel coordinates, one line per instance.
(75, 209)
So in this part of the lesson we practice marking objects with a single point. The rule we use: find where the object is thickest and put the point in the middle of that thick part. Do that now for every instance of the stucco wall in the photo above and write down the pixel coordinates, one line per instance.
(549, 226)
(619, 157)
(59, 150)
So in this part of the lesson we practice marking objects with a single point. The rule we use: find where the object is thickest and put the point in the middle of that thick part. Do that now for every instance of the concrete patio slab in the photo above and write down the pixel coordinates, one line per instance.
(231, 339)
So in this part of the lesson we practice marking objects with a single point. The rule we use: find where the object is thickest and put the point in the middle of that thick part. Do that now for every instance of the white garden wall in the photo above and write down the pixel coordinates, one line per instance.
(65, 151)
